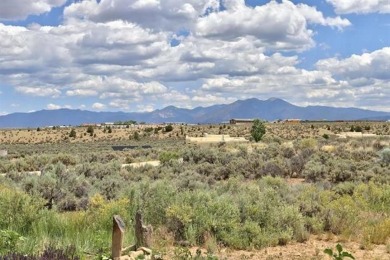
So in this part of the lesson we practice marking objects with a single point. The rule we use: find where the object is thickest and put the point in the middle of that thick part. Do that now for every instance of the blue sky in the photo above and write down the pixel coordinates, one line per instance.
(140, 55)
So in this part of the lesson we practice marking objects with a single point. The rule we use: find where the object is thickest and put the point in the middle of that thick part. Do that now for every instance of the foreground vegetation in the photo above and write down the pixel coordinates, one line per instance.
(239, 196)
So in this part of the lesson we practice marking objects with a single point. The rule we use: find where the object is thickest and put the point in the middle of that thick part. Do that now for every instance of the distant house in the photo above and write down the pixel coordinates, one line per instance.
(236, 121)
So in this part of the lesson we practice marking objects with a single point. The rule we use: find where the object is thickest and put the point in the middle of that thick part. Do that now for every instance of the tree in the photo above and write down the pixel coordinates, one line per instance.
(136, 136)
(90, 130)
(168, 128)
(72, 133)
(258, 130)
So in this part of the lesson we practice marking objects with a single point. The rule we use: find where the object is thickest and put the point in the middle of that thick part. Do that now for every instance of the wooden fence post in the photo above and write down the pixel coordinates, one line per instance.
(117, 237)
(143, 234)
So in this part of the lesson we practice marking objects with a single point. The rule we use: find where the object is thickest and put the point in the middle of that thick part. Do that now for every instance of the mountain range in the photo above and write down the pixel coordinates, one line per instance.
(270, 109)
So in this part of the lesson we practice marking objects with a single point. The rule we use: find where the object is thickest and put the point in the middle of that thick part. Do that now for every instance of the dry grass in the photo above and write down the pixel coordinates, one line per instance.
(274, 130)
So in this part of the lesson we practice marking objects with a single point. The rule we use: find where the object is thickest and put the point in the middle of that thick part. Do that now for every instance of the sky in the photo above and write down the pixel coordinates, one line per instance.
(141, 55)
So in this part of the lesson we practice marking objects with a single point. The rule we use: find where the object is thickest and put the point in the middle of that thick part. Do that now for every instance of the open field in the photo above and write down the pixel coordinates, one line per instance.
(156, 132)
(300, 190)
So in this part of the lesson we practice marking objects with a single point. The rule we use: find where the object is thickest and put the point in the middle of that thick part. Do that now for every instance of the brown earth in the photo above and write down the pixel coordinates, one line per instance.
(311, 249)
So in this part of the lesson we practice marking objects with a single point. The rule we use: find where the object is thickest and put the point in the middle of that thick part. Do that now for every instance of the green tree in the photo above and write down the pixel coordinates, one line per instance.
(90, 130)
(72, 133)
(168, 128)
(136, 136)
(258, 130)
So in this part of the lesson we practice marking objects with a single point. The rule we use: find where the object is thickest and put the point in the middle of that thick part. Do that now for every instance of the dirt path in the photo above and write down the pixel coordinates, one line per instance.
(311, 249)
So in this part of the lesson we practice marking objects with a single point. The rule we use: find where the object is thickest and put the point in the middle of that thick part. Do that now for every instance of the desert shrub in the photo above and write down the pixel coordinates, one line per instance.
(307, 143)
(375, 197)
(65, 159)
(385, 156)
(200, 155)
(377, 145)
(297, 164)
(288, 152)
(247, 235)
(90, 130)
(136, 136)
(342, 216)
(168, 128)
(315, 171)
(111, 186)
(344, 188)
(168, 156)
(18, 210)
(72, 133)
(153, 199)
(340, 171)
(362, 155)
(8, 241)
(272, 168)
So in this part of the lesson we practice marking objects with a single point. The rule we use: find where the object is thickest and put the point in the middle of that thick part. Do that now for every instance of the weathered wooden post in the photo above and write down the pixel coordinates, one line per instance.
(117, 236)
(143, 234)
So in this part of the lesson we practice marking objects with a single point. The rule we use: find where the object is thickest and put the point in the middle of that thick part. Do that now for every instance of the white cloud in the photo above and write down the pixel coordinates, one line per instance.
(81, 92)
(312, 15)
(374, 65)
(361, 6)
(39, 92)
(167, 14)
(209, 99)
(275, 25)
(113, 53)
(53, 106)
(98, 106)
(145, 108)
(20, 9)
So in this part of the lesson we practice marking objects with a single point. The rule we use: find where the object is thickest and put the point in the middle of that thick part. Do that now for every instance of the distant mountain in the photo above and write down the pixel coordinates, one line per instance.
(270, 109)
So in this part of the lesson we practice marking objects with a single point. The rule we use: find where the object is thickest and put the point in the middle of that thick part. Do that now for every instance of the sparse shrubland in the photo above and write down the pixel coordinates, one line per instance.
(241, 196)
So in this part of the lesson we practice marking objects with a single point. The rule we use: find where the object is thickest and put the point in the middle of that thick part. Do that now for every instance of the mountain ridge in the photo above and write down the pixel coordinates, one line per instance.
(270, 109)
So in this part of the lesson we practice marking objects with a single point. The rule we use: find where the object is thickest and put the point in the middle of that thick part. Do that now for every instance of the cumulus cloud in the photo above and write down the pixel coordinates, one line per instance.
(20, 9)
(360, 6)
(275, 25)
(113, 53)
(98, 106)
(312, 15)
(81, 92)
(167, 14)
(52, 106)
(205, 99)
(374, 65)
(39, 92)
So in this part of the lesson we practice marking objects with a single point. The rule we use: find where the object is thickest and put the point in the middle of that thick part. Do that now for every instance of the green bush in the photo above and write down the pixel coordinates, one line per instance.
(168, 128)
(168, 156)
(258, 130)
(385, 156)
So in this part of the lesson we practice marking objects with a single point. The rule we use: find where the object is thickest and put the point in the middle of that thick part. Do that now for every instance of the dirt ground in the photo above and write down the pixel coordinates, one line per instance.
(311, 249)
